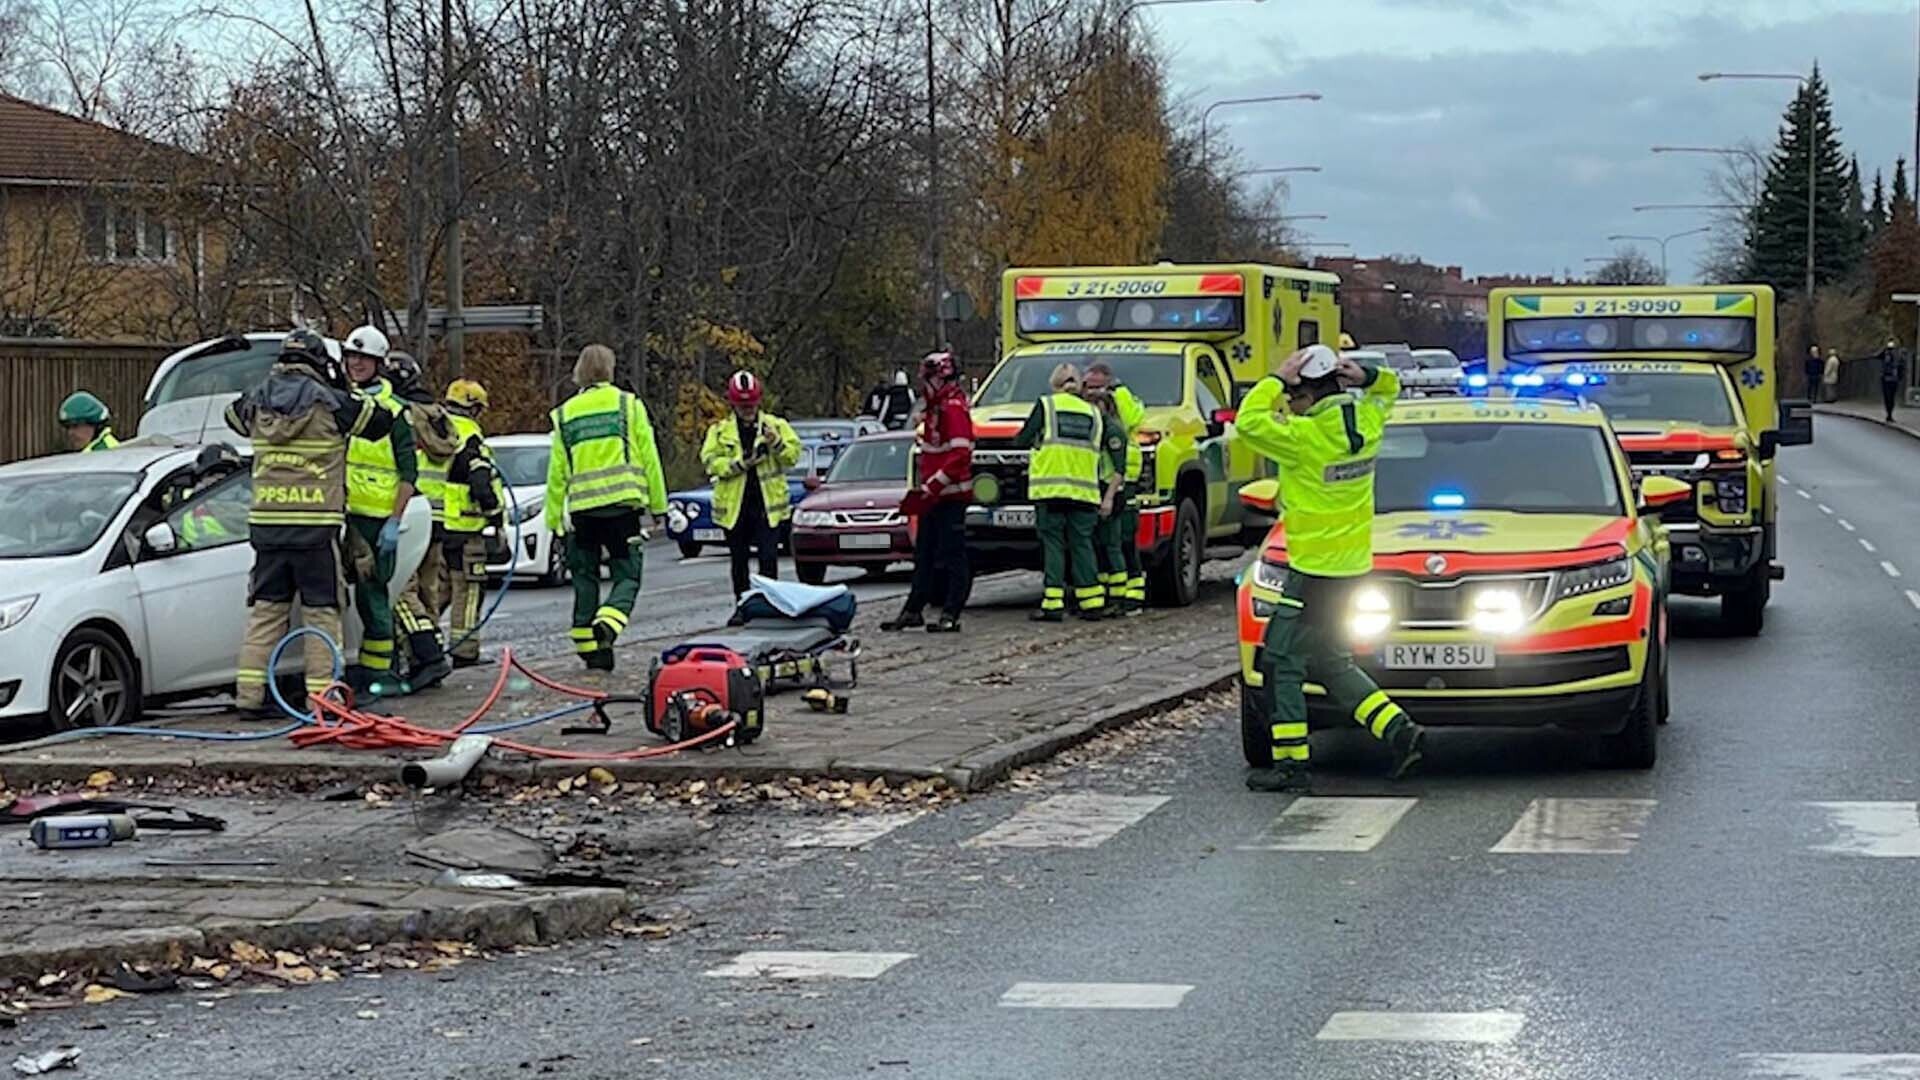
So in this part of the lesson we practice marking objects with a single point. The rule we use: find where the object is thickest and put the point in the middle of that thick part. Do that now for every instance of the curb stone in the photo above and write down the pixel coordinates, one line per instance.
(1828, 410)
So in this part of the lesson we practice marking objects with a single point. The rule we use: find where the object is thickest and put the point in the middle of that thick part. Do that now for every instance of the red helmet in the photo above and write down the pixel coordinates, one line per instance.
(940, 365)
(743, 388)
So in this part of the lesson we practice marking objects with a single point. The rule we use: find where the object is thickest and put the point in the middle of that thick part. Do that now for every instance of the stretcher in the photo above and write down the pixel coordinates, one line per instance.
(789, 632)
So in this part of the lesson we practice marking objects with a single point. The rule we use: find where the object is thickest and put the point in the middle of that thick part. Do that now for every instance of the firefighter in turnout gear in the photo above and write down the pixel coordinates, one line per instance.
(747, 456)
(604, 487)
(1325, 451)
(381, 473)
(300, 421)
(1116, 538)
(475, 501)
(434, 442)
(85, 420)
(1066, 478)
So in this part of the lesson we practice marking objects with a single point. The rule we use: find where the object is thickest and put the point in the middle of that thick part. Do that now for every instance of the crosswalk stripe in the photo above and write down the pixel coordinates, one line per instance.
(1071, 821)
(1036, 995)
(1577, 827)
(1474, 1027)
(808, 965)
(1834, 1066)
(851, 832)
(1884, 830)
(1331, 824)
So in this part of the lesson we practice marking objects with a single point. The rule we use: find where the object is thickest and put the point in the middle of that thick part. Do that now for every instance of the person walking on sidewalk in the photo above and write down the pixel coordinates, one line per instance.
(1830, 378)
(1815, 369)
(381, 474)
(1893, 375)
(1065, 479)
(943, 453)
(1326, 450)
(604, 487)
(299, 420)
(1117, 536)
(747, 456)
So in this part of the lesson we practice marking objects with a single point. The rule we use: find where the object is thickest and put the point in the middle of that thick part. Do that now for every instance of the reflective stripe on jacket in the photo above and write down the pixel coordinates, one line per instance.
(725, 462)
(373, 469)
(1066, 462)
(603, 455)
(464, 514)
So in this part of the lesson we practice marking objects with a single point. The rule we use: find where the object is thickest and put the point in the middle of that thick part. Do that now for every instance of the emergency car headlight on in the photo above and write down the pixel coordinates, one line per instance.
(1269, 576)
(13, 611)
(1498, 611)
(813, 519)
(1587, 579)
(1372, 614)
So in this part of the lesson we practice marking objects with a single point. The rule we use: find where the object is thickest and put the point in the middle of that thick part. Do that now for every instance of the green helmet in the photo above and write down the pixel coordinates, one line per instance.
(82, 408)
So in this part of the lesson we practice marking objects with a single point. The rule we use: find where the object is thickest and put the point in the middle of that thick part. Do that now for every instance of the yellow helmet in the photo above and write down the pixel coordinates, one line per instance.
(467, 394)
(1346, 341)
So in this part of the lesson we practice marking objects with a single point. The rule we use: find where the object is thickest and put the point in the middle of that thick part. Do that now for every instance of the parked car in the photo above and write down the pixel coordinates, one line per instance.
(690, 521)
(123, 580)
(854, 518)
(1436, 371)
(188, 395)
(522, 460)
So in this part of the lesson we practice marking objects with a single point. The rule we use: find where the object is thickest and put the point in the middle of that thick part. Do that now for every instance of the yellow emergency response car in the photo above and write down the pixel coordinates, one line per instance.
(1687, 377)
(1188, 341)
(1516, 581)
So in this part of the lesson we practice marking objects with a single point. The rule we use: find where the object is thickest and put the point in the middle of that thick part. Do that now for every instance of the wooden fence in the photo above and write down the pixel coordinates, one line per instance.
(37, 374)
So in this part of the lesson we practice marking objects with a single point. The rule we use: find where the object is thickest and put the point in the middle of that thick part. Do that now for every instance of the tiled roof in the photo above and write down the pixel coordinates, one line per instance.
(38, 143)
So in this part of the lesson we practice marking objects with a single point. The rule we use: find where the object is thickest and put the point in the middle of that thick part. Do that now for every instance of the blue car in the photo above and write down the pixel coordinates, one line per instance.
(690, 521)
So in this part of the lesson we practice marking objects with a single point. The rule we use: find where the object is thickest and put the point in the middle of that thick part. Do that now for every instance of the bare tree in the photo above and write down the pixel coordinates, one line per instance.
(1629, 266)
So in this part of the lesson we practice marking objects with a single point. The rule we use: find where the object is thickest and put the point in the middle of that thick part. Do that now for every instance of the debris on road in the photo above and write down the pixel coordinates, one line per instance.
(65, 1057)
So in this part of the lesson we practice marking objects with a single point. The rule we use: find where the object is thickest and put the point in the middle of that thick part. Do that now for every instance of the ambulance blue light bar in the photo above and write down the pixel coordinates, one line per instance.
(1447, 500)
(1534, 383)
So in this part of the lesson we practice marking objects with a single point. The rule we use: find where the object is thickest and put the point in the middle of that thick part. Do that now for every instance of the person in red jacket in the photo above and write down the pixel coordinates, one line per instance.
(944, 452)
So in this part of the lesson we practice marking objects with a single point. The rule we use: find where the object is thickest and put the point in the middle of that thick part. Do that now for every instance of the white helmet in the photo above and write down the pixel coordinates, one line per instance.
(369, 341)
(1319, 363)
(899, 378)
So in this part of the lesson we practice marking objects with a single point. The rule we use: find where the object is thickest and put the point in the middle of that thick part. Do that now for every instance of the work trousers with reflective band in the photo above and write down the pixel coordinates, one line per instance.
(614, 539)
(417, 608)
(372, 596)
(281, 576)
(1307, 642)
(1066, 554)
(464, 564)
(1117, 545)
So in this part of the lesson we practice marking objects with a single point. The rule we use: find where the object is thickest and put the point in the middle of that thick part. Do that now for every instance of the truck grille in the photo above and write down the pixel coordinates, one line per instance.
(1008, 467)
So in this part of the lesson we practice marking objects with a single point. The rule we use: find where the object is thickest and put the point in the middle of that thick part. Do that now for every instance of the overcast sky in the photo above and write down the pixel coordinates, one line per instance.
(1513, 136)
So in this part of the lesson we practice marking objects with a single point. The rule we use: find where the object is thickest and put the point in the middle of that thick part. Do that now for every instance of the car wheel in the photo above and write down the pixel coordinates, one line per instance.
(557, 573)
(1256, 726)
(689, 549)
(1175, 582)
(1745, 611)
(1635, 745)
(810, 573)
(94, 683)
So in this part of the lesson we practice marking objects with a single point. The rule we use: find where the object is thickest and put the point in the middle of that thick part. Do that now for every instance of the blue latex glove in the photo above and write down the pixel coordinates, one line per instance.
(389, 539)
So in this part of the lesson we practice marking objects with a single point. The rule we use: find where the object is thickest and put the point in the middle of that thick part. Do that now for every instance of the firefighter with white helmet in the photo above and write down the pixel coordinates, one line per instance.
(381, 475)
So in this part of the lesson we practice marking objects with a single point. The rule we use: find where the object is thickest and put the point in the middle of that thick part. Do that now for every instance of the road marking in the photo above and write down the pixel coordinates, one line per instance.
(1892, 570)
(1035, 995)
(1803, 493)
(1072, 821)
(1880, 830)
(1577, 827)
(1480, 1027)
(851, 832)
(1311, 824)
(1835, 1066)
(1782, 478)
(809, 965)
(1825, 509)
(1868, 544)
(1845, 524)
(1913, 598)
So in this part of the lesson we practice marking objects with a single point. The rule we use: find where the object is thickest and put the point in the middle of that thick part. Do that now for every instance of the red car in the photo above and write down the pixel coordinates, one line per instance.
(853, 518)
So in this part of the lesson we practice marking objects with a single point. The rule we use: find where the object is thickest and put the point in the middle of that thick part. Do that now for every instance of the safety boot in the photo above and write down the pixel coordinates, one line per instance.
(428, 676)
(908, 619)
(945, 624)
(1047, 616)
(367, 686)
(600, 660)
(1404, 739)
(1282, 777)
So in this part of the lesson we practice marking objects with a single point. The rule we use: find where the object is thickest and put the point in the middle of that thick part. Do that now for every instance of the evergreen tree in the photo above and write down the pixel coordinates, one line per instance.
(1877, 210)
(1857, 208)
(1900, 203)
(1778, 252)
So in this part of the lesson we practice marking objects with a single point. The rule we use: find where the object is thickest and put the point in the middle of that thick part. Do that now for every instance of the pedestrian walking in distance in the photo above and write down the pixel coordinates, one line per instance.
(1816, 369)
(1325, 444)
(747, 456)
(604, 487)
(1066, 478)
(1830, 377)
(943, 456)
(1893, 375)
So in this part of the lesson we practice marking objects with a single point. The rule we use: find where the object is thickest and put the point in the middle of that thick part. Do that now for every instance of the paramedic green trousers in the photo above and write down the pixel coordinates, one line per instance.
(1066, 553)
(610, 537)
(372, 592)
(1306, 641)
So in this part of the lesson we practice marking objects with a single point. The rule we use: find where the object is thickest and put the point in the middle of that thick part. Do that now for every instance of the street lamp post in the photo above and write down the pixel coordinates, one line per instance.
(1813, 161)
(1663, 241)
(1206, 114)
(1723, 151)
(1277, 170)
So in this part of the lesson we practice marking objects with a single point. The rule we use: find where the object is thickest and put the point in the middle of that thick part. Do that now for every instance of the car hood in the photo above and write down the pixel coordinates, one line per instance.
(1492, 539)
(26, 577)
(1678, 435)
(881, 495)
(193, 420)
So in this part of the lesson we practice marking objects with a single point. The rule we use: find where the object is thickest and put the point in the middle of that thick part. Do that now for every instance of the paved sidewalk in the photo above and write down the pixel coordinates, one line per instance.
(1906, 418)
(966, 708)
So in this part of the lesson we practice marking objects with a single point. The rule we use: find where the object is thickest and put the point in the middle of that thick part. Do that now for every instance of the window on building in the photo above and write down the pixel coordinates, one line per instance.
(126, 234)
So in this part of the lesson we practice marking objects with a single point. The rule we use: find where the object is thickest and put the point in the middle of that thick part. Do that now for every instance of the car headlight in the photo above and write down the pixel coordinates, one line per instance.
(1586, 579)
(1730, 492)
(1498, 611)
(813, 519)
(1269, 576)
(14, 610)
(1372, 613)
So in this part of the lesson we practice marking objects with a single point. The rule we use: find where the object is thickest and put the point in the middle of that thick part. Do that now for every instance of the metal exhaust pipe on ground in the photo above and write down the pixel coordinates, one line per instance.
(449, 768)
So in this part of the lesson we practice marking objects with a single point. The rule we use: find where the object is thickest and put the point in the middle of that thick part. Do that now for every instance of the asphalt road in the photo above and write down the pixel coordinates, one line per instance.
(1744, 910)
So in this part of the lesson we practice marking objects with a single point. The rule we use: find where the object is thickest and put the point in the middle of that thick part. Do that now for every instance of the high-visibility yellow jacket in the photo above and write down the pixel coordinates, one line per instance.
(1066, 434)
(471, 472)
(725, 461)
(377, 467)
(102, 441)
(1326, 461)
(1132, 413)
(603, 455)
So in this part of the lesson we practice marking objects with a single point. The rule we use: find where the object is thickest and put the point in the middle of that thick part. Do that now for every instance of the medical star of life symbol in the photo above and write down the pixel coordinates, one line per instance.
(1444, 529)
(1242, 352)
(1752, 377)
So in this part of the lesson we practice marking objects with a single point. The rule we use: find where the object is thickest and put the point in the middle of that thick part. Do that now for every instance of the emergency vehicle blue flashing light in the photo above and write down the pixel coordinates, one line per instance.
(1446, 500)
(1476, 381)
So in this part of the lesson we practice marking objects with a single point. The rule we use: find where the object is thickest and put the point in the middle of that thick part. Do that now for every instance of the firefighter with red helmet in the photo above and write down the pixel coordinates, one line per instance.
(747, 456)
(943, 453)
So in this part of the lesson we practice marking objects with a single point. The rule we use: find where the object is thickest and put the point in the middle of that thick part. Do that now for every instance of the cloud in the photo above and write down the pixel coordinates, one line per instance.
(1470, 204)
